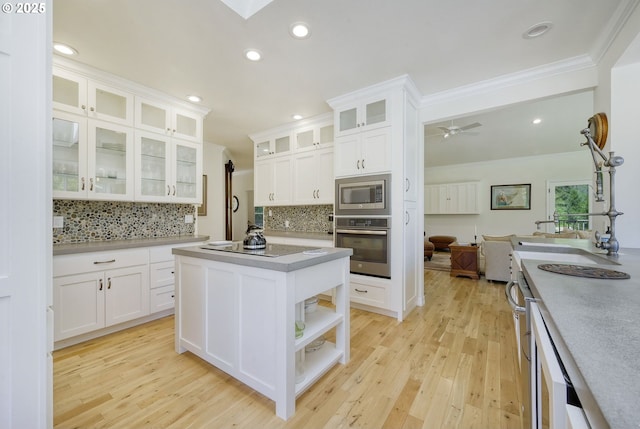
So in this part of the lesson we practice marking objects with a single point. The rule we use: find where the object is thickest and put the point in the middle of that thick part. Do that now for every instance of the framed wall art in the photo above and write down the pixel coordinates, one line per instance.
(511, 197)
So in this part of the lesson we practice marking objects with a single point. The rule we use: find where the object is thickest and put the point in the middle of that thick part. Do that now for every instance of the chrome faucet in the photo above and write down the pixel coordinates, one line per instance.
(611, 245)
(554, 221)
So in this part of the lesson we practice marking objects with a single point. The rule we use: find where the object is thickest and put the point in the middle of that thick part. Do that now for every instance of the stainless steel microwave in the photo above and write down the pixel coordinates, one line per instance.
(365, 195)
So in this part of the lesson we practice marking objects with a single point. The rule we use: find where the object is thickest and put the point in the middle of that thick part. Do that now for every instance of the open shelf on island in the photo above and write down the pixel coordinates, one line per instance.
(316, 364)
(316, 324)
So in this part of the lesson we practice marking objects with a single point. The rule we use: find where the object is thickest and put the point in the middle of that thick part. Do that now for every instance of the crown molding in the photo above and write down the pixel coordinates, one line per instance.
(613, 27)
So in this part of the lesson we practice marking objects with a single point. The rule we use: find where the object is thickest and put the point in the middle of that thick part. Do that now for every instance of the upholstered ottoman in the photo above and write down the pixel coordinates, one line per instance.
(428, 250)
(442, 242)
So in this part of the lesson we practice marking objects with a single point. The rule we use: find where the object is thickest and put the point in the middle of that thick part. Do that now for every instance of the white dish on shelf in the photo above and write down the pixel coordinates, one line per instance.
(311, 304)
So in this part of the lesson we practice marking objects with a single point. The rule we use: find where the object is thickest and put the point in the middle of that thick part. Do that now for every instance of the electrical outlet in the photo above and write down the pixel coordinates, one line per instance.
(188, 218)
(58, 222)
(286, 224)
(270, 213)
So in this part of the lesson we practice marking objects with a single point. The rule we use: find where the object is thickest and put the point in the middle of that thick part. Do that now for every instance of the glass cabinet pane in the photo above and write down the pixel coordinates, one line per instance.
(262, 149)
(186, 171)
(326, 134)
(111, 104)
(153, 165)
(66, 155)
(376, 112)
(66, 91)
(348, 119)
(186, 125)
(111, 161)
(153, 116)
(282, 144)
(305, 139)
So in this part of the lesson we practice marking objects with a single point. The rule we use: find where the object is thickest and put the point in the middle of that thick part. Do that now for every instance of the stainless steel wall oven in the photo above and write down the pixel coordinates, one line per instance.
(370, 239)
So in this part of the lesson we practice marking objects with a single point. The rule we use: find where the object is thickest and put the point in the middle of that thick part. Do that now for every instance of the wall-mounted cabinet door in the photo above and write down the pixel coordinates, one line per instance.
(273, 146)
(314, 137)
(110, 162)
(69, 155)
(164, 119)
(77, 94)
(313, 180)
(272, 182)
(366, 115)
(187, 167)
(153, 167)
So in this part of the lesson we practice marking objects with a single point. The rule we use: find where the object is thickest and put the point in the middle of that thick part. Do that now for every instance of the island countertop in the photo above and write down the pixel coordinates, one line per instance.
(595, 324)
(283, 263)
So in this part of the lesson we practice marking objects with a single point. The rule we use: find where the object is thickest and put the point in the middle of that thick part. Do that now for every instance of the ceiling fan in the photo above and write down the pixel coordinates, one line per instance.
(455, 129)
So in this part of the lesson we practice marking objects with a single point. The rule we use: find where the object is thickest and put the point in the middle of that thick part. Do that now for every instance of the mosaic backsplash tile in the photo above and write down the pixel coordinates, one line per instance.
(301, 218)
(112, 220)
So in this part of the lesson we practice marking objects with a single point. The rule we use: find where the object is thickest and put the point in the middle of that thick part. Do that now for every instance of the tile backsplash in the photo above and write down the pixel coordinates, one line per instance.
(112, 220)
(301, 218)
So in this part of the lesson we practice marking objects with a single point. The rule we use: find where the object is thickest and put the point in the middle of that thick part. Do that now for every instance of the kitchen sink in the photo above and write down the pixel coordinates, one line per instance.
(574, 256)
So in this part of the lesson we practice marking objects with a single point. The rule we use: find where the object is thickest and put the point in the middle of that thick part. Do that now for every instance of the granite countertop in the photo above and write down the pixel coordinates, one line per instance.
(595, 325)
(284, 263)
(297, 234)
(101, 246)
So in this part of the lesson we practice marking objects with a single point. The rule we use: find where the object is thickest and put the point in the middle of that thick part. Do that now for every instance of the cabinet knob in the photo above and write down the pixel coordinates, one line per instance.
(83, 107)
(93, 109)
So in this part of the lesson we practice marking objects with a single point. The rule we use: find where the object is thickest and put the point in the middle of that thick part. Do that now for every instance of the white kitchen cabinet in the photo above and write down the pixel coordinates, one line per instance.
(313, 180)
(367, 152)
(162, 118)
(314, 137)
(451, 198)
(272, 181)
(167, 169)
(78, 94)
(411, 242)
(362, 116)
(97, 290)
(370, 292)
(276, 145)
(91, 159)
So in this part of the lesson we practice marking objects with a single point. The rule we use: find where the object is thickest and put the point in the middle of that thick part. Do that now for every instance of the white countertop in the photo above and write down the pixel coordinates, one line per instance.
(595, 325)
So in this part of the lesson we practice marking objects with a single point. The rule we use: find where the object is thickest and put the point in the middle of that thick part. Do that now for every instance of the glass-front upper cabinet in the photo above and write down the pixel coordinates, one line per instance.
(76, 94)
(188, 173)
(314, 137)
(110, 162)
(273, 146)
(161, 118)
(69, 156)
(153, 167)
(368, 115)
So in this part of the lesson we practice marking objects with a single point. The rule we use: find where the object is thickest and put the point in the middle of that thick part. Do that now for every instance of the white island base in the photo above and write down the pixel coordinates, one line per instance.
(241, 319)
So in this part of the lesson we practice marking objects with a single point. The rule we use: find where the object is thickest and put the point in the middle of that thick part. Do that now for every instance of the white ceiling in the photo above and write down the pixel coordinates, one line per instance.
(196, 47)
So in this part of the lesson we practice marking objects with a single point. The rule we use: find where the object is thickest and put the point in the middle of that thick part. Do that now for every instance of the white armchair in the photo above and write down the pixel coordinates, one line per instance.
(497, 258)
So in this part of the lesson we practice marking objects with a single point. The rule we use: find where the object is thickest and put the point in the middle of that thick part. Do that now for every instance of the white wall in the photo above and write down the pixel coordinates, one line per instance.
(214, 158)
(534, 170)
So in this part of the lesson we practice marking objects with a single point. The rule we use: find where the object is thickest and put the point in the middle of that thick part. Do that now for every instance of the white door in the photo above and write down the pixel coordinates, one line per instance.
(26, 327)
(570, 200)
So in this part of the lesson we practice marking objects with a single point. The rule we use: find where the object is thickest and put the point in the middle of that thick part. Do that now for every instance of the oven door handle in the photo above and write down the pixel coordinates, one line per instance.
(514, 305)
(360, 232)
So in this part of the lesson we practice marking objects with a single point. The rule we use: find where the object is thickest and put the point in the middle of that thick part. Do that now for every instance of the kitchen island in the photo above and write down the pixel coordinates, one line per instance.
(239, 311)
(595, 327)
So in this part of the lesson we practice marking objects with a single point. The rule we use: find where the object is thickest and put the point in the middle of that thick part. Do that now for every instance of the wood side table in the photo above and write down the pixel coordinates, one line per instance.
(464, 260)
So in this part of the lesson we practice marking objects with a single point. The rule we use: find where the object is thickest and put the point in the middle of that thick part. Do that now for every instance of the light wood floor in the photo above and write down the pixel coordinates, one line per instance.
(450, 364)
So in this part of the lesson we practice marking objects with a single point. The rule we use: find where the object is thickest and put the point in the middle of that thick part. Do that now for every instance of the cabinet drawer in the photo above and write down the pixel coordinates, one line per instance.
(64, 265)
(368, 294)
(161, 274)
(161, 298)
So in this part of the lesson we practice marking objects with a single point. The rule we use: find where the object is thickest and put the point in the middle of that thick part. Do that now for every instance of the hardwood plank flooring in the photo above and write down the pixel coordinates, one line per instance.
(450, 364)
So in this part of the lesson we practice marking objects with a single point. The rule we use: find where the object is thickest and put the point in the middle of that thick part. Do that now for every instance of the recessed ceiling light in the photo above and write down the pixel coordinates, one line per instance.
(299, 30)
(194, 98)
(64, 49)
(253, 54)
(537, 30)
(297, 117)
(536, 121)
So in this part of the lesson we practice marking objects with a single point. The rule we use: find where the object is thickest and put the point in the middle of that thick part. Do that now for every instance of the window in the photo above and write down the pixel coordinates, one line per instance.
(571, 201)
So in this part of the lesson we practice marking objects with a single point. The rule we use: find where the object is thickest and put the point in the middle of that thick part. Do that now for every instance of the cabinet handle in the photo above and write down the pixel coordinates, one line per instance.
(361, 291)
(82, 181)
(83, 107)
(100, 288)
(407, 217)
(109, 283)
(358, 164)
(93, 109)
(173, 296)
(168, 190)
(103, 262)
(174, 131)
(91, 183)
(408, 184)
(318, 193)
(169, 130)
(174, 190)
(363, 124)
(173, 272)
(363, 164)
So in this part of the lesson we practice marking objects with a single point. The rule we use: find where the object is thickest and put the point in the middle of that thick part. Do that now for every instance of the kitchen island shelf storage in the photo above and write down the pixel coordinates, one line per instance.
(238, 312)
